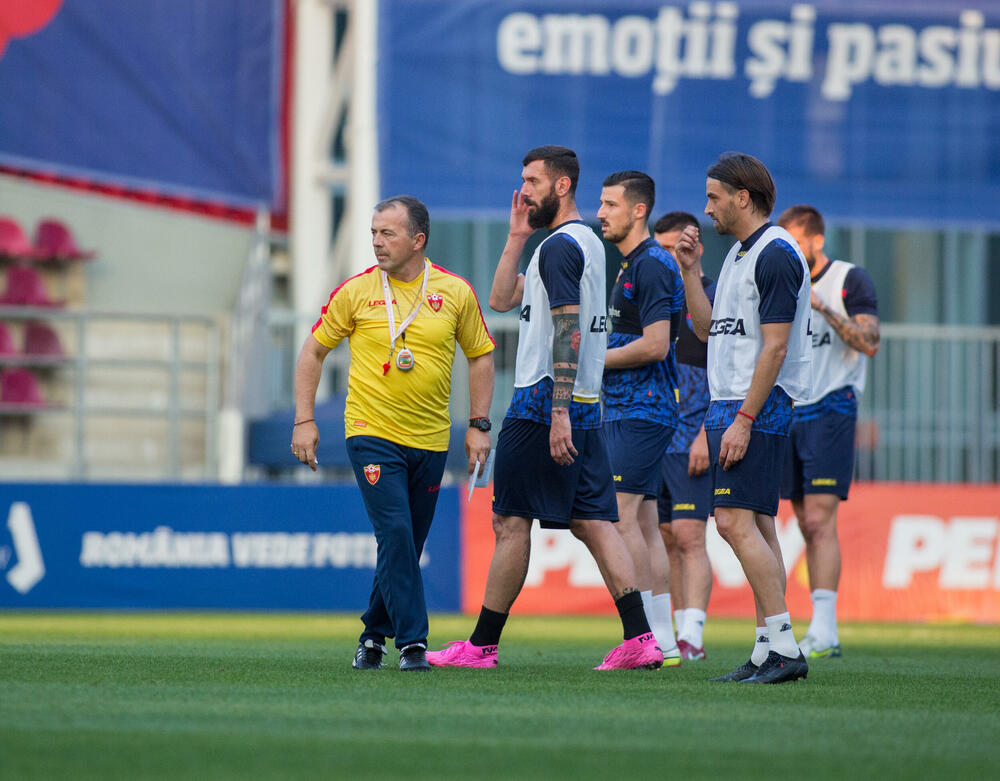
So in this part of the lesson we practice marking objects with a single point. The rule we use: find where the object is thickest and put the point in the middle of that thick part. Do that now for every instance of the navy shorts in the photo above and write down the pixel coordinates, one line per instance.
(683, 496)
(820, 457)
(753, 482)
(529, 484)
(635, 447)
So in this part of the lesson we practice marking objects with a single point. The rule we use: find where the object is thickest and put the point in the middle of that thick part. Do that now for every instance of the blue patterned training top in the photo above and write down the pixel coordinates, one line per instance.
(648, 289)
(693, 406)
(775, 417)
(694, 391)
(842, 401)
(535, 403)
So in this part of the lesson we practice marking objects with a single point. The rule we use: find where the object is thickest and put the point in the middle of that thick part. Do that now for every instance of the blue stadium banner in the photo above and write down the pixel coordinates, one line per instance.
(180, 97)
(875, 110)
(204, 547)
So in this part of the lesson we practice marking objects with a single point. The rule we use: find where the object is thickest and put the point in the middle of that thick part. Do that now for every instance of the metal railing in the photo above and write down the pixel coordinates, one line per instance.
(103, 352)
(931, 410)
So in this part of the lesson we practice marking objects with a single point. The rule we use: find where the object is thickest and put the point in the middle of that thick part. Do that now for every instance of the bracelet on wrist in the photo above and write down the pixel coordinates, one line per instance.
(746, 415)
(300, 422)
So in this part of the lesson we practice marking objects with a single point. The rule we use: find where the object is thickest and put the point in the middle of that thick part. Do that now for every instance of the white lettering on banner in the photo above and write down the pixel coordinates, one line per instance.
(771, 60)
(164, 547)
(702, 45)
(633, 46)
(343, 550)
(271, 550)
(964, 550)
(554, 550)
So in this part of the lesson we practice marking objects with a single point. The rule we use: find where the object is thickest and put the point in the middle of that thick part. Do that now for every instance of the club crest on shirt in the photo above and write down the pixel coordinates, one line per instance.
(435, 300)
(372, 473)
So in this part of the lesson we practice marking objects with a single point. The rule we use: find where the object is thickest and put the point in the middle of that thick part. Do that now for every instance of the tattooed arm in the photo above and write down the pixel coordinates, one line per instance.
(859, 332)
(566, 324)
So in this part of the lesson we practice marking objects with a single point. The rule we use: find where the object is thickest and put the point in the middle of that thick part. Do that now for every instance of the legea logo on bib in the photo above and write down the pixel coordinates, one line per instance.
(725, 326)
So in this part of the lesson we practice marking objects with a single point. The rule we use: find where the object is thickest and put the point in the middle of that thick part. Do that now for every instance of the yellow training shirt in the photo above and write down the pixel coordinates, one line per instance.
(406, 407)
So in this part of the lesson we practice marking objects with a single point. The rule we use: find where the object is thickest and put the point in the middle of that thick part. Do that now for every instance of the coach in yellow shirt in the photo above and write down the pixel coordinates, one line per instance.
(402, 319)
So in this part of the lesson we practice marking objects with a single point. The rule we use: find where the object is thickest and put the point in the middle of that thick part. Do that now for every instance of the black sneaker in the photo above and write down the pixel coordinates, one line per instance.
(413, 658)
(741, 673)
(780, 669)
(368, 656)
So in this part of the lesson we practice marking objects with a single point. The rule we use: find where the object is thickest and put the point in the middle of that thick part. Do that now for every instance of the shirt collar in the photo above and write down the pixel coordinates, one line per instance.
(644, 245)
(752, 238)
(822, 273)
(562, 224)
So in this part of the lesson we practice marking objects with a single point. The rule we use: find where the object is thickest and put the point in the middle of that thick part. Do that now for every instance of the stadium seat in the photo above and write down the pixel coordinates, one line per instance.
(54, 241)
(7, 346)
(41, 340)
(20, 386)
(25, 288)
(13, 243)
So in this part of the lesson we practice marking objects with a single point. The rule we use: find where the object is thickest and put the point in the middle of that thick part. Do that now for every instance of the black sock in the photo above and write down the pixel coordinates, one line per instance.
(633, 616)
(488, 627)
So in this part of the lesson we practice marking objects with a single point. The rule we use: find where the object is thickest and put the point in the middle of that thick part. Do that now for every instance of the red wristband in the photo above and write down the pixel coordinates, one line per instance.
(746, 415)
(300, 422)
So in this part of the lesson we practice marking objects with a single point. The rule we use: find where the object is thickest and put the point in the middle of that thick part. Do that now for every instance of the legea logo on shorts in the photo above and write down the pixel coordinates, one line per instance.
(30, 567)
(722, 492)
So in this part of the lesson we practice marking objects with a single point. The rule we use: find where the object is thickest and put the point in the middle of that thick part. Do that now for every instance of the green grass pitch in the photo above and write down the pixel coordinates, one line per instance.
(121, 696)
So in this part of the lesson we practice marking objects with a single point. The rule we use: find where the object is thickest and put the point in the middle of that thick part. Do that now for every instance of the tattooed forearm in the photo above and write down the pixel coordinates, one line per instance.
(564, 362)
(859, 332)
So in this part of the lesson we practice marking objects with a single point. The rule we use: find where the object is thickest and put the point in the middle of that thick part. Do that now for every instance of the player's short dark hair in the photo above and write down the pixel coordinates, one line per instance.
(672, 221)
(805, 215)
(559, 161)
(743, 172)
(638, 188)
(418, 220)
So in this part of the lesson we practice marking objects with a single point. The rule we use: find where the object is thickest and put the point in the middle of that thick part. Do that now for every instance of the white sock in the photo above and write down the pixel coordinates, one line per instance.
(663, 635)
(694, 624)
(647, 608)
(660, 622)
(680, 620)
(824, 620)
(779, 629)
(761, 646)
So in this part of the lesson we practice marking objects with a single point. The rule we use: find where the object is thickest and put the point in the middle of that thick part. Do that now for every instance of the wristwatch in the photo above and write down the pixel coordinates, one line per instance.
(483, 424)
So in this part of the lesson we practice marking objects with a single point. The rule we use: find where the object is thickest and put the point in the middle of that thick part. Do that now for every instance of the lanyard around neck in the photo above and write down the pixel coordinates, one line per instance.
(394, 334)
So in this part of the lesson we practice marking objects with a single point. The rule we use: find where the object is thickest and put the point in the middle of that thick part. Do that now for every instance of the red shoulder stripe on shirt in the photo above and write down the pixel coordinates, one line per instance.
(336, 290)
(481, 318)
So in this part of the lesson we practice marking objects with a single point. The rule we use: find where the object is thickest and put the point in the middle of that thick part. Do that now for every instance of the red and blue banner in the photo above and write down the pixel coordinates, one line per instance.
(181, 97)
(911, 552)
